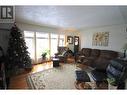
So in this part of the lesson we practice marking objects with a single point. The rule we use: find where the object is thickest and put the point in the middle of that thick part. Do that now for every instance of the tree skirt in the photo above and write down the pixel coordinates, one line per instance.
(62, 77)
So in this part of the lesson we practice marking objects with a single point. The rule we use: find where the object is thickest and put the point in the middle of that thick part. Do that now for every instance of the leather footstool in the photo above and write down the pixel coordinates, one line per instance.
(82, 76)
(56, 62)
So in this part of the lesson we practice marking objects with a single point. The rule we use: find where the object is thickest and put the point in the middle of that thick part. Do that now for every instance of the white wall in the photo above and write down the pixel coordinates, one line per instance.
(30, 27)
(4, 35)
(117, 37)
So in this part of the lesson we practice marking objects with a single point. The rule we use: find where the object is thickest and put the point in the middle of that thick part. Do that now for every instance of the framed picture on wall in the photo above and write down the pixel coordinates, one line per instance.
(7, 14)
(76, 44)
(70, 39)
(100, 39)
(76, 40)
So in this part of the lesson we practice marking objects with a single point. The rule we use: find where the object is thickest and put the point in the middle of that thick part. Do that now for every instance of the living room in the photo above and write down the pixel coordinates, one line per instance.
(74, 27)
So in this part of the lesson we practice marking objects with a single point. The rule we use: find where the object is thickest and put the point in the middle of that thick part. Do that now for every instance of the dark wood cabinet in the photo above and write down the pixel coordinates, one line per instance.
(2, 76)
(2, 70)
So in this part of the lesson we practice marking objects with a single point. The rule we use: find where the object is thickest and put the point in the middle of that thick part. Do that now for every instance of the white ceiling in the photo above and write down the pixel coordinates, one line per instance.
(72, 16)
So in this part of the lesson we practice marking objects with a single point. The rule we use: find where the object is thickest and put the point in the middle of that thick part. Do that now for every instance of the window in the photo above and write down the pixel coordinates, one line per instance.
(42, 44)
(29, 39)
(38, 42)
(54, 43)
(61, 40)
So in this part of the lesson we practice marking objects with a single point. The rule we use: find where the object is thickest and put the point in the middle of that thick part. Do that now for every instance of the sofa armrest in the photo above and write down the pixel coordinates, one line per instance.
(79, 53)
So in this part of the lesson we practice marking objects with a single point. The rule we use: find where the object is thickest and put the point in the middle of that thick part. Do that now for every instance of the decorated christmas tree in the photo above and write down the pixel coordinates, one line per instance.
(18, 55)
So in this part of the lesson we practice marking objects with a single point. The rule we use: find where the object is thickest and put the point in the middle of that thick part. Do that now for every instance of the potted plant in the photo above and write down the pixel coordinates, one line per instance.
(44, 54)
(112, 83)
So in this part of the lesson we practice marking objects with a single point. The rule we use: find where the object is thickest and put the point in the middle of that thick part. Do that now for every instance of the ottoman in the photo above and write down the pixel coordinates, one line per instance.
(56, 62)
(82, 76)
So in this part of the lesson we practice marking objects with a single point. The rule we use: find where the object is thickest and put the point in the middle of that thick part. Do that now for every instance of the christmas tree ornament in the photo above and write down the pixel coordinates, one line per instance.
(16, 54)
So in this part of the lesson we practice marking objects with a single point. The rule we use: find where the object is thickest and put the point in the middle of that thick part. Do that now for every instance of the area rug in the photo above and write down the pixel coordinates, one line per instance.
(62, 77)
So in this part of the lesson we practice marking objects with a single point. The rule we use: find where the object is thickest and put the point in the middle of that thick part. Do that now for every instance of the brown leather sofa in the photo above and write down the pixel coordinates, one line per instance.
(96, 58)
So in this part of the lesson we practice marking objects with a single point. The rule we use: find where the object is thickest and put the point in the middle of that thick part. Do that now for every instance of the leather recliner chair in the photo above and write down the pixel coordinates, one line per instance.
(85, 52)
(63, 54)
(117, 70)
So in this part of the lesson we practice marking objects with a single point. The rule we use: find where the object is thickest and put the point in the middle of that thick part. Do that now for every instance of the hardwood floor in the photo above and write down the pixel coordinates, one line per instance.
(19, 81)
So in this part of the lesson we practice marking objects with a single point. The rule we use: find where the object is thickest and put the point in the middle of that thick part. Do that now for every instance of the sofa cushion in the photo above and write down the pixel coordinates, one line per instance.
(88, 62)
(95, 53)
(86, 52)
(108, 54)
(101, 63)
(93, 56)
